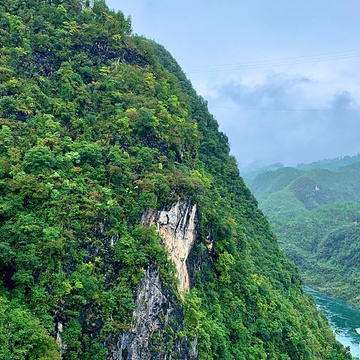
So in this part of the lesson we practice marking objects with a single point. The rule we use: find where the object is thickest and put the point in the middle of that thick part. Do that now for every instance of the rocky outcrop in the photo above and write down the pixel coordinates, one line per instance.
(177, 228)
(157, 320)
(59, 329)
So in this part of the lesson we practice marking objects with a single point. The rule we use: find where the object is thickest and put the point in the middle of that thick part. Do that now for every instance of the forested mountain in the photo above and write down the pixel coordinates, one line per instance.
(330, 164)
(126, 231)
(315, 215)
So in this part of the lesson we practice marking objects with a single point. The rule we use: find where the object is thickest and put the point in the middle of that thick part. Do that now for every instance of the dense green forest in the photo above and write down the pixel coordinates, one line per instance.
(315, 214)
(97, 127)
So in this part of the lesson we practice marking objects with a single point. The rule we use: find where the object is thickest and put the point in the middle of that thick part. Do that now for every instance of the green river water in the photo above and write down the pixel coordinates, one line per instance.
(343, 318)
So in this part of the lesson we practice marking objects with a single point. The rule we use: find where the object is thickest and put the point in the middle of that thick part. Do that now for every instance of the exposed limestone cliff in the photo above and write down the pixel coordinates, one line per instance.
(156, 319)
(177, 228)
(158, 313)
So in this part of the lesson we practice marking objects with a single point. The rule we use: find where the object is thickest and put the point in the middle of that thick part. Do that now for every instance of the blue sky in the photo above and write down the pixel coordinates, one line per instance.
(281, 77)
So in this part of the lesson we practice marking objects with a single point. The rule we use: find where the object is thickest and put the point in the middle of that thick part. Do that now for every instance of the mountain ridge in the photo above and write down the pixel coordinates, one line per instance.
(98, 128)
(308, 210)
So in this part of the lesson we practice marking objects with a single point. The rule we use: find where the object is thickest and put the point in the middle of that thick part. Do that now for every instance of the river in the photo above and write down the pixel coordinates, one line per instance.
(343, 318)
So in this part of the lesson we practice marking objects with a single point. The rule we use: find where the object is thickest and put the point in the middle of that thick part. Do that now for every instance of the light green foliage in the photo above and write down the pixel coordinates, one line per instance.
(223, 265)
(21, 335)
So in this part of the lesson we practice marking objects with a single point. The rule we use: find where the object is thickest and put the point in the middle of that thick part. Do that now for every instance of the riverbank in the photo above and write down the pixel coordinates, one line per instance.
(343, 318)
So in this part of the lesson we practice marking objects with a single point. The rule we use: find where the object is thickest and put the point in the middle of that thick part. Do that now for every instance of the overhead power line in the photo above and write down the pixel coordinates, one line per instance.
(277, 62)
(276, 109)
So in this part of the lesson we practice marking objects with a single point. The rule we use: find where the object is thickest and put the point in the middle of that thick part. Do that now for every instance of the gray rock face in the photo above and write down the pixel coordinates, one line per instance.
(59, 329)
(156, 318)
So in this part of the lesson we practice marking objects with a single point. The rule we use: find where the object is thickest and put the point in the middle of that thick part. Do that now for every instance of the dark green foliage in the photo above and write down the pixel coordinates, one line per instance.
(98, 125)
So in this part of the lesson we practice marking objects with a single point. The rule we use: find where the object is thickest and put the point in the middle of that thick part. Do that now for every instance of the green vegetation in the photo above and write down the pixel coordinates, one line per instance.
(315, 215)
(330, 164)
(98, 125)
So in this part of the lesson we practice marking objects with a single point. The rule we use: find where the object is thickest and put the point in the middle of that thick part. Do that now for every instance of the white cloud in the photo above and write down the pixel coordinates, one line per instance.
(277, 120)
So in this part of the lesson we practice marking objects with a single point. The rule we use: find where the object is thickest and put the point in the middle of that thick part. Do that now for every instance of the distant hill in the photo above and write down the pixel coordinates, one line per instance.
(330, 164)
(250, 175)
(269, 181)
(315, 213)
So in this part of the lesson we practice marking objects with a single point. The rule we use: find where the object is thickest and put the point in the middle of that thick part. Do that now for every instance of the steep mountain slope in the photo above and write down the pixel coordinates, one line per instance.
(315, 215)
(269, 182)
(126, 231)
